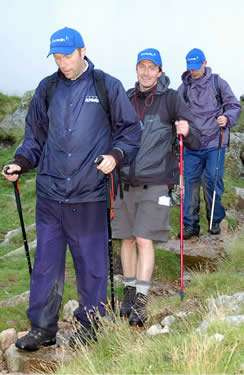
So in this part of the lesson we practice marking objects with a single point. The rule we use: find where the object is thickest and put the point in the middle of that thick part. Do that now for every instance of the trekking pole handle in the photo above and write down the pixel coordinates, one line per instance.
(11, 174)
(98, 159)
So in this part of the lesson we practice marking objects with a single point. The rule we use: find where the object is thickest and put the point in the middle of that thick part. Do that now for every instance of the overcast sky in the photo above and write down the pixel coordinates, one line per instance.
(114, 32)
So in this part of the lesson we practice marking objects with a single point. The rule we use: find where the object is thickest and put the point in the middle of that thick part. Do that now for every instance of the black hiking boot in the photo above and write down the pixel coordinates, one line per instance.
(190, 232)
(138, 314)
(128, 301)
(215, 229)
(82, 336)
(34, 339)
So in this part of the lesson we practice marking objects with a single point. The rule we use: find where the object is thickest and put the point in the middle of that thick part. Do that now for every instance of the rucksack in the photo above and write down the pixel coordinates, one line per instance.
(100, 88)
(215, 84)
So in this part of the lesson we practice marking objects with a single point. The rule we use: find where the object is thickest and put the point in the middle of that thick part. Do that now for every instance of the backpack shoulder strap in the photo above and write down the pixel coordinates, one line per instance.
(50, 87)
(170, 104)
(101, 91)
(215, 80)
(185, 96)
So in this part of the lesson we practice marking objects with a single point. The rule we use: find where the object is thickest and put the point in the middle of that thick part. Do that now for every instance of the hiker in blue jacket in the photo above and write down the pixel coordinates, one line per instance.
(63, 137)
(214, 107)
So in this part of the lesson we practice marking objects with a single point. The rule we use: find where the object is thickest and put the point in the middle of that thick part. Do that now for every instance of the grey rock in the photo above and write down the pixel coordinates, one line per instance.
(168, 321)
(183, 315)
(196, 251)
(20, 250)
(44, 360)
(156, 329)
(231, 304)
(234, 320)
(203, 327)
(13, 233)
(7, 338)
(233, 162)
(14, 301)
(217, 337)
(68, 310)
(17, 119)
(240, 196)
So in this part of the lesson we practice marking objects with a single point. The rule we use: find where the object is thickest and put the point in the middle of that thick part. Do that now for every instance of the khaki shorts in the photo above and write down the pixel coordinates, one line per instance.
(139, 214)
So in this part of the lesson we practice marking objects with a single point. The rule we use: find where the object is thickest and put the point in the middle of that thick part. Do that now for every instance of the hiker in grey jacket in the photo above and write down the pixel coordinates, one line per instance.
(214, 109)
(143, 215)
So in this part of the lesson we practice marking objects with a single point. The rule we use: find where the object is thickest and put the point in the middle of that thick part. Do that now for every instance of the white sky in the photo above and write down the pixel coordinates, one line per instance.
(114, 32)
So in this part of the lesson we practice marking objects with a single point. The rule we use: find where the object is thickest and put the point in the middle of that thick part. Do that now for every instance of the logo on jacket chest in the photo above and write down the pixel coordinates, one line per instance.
(92, 99)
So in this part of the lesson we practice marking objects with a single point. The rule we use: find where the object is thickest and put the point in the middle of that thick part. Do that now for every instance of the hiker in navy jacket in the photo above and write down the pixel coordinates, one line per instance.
(214, 108)
(63, 137)
(143, 215)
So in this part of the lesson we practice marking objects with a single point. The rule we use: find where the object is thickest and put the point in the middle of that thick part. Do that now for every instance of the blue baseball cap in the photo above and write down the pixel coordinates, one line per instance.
(150, 54)
(65, 41)
(194, 59)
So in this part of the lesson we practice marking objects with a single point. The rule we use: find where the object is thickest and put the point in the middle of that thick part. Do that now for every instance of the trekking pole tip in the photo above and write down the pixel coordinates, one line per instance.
(182, 294)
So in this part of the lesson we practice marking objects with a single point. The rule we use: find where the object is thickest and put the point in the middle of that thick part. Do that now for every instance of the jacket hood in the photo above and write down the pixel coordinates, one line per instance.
(163, 85)
(201, 82)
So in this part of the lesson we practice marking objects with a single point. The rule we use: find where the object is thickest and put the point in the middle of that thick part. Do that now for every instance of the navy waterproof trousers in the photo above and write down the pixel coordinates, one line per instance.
(200, 169)
(82, 226)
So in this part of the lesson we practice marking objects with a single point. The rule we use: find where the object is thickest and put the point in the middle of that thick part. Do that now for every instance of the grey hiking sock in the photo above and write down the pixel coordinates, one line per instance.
(142, 286)
(129, 281)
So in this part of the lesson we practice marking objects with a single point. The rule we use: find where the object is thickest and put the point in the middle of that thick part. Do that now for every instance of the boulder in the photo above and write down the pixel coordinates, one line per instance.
(45, 360)
(7, 338)
(240, 196)
(17, 119)
(233, 162)
(68, 310)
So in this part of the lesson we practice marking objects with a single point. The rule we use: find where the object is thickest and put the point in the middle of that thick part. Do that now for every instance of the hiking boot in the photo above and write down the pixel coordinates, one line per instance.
(138, 313)
(82, 336)
(34, 339)
(190, 232)
(128, 301)
(215, 229)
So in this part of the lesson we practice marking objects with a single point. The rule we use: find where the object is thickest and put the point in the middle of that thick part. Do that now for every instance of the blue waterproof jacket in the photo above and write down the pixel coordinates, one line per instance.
(205, 108)
(64, 139)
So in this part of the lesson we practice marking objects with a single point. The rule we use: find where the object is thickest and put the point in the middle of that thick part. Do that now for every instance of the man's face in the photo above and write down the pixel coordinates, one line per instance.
(198, 73)
(147, 74)
(71, 65)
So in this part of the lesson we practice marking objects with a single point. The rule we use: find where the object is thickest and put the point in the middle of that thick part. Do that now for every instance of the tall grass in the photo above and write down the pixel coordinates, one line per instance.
(122, 350)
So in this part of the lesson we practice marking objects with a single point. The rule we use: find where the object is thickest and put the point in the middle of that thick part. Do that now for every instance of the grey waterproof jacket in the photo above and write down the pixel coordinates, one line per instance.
(204, 106)
(157, 160)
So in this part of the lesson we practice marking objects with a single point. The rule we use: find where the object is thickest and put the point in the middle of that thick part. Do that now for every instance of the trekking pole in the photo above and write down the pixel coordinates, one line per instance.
(19, 207)
(221, 138)
(181, 219)
(98, 160)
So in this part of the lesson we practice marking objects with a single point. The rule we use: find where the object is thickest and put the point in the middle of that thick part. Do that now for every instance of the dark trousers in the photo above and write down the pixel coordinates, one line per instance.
(200, 168)
(82, 226)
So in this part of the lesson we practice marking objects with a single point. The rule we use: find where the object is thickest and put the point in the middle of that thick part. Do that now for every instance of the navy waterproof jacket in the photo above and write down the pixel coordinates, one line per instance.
(64, 139)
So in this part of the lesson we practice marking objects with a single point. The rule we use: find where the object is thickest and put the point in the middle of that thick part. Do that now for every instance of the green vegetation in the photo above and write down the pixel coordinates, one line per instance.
(8, 104)
(240, 126)
(121, 350)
